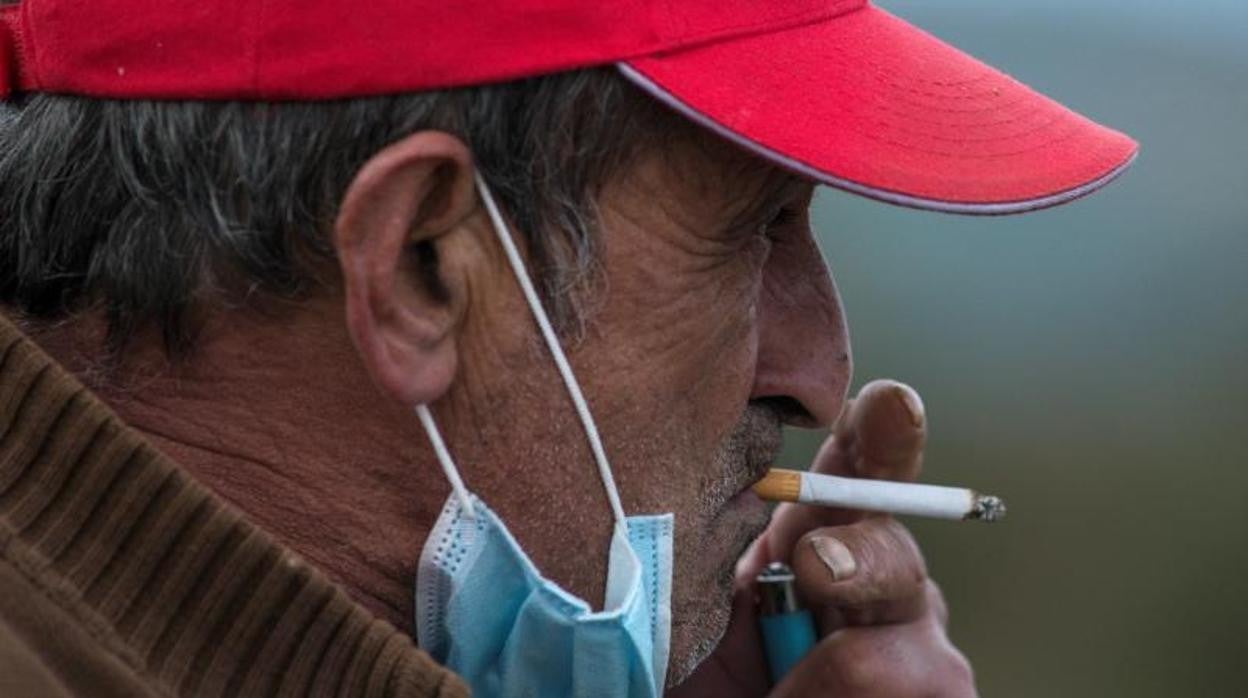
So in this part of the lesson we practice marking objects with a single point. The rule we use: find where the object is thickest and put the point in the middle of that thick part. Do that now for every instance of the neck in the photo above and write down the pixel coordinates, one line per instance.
(310, 453)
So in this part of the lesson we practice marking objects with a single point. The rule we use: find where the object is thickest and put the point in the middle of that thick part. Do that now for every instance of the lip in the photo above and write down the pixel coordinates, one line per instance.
(744, 496)
(755, 473)
(762, 429)
(744, 503)
(747, 509)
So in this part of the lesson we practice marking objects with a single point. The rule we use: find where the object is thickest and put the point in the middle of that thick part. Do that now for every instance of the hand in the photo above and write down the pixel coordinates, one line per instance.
(881, 620)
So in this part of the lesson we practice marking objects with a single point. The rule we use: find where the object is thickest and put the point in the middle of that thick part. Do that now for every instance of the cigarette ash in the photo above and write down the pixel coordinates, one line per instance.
(987, 508)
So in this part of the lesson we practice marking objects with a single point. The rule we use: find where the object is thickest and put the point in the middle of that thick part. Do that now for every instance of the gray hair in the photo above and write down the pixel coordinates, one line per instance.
(147, 211)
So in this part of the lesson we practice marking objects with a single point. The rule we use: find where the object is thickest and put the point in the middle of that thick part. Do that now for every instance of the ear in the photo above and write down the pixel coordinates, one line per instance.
(403, 299)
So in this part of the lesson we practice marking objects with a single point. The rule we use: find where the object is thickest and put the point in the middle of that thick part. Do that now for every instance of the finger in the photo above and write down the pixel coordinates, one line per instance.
(882, 435)
(936, 604)
(867, 573)
(790, 521)
(896, 661)
(752, 561)
(835, 457)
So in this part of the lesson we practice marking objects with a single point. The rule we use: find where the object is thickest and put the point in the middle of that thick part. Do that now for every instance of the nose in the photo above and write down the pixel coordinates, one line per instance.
(803, 346)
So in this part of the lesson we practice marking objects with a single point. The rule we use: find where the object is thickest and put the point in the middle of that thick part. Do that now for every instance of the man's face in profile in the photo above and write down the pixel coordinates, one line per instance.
(719, 323)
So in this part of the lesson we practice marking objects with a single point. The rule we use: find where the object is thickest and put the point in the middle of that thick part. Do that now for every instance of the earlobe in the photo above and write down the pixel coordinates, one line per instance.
(395, 227)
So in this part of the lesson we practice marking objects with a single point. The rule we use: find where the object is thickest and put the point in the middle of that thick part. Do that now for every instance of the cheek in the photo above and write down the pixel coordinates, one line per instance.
(698, 311)
(674, 345)
(698, 343)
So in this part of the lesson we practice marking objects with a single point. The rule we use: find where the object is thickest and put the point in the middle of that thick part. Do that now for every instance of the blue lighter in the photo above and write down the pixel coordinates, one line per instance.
(788, 629)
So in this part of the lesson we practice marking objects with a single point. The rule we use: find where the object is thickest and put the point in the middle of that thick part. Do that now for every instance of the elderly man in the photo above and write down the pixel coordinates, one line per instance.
(244, 241)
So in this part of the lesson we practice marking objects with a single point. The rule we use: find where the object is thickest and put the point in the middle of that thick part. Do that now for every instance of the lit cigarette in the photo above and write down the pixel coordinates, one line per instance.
(931, 501)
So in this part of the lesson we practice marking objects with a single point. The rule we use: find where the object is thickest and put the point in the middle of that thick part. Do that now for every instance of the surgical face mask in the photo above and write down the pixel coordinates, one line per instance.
(483, 608)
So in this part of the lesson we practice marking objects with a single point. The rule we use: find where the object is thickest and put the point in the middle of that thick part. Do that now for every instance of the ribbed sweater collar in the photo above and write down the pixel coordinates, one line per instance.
(170, 578)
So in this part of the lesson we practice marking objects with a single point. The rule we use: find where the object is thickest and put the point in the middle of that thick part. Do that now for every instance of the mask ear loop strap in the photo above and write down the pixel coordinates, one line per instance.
(444, 459)
(552, 342)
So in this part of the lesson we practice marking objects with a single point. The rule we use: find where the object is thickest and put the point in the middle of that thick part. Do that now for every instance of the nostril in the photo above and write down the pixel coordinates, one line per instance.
(790, 411)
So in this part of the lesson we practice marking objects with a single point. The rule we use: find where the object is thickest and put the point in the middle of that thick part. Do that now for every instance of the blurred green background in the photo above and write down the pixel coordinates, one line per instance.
(1087, 363)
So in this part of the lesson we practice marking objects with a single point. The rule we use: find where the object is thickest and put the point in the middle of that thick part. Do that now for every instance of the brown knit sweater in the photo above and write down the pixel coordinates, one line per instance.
(122, 576)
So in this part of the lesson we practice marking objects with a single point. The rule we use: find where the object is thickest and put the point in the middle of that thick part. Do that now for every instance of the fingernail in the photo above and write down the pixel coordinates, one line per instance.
(835, 556)
(913, 404)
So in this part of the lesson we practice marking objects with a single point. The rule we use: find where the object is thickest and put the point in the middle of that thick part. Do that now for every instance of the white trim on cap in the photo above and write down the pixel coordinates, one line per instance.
(892, 197)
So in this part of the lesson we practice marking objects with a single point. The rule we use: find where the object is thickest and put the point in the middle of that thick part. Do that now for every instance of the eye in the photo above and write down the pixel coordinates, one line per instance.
(782, 219)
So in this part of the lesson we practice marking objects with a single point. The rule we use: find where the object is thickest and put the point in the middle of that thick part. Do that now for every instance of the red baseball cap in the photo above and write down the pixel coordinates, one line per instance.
(837, 90)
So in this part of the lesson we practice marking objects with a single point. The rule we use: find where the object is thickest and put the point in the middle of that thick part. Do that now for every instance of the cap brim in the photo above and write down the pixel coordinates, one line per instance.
(868, 103)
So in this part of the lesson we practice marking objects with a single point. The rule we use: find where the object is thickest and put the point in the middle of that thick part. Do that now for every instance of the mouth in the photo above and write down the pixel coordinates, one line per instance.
(744, 488)
(743, 518)
(735, 515)
(743, 459)
(758, 462)
(743, 505)
(736, 488)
